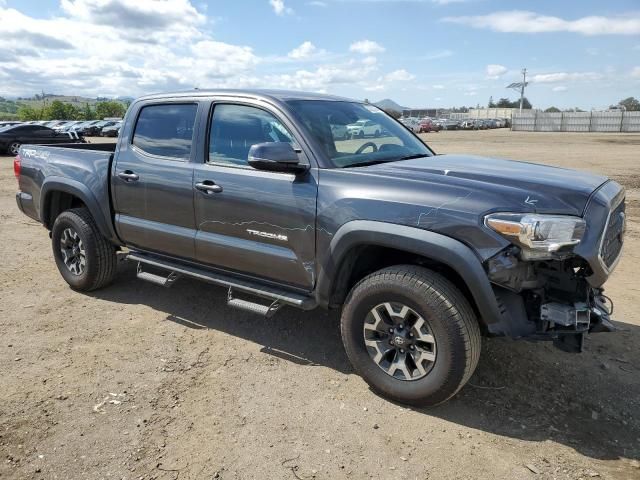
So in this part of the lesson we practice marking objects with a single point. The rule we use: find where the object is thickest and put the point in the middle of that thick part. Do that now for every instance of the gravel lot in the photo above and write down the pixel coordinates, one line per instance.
(139, 382)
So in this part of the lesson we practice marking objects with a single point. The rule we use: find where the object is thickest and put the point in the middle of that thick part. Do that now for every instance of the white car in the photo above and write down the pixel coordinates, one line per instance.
(364, 128)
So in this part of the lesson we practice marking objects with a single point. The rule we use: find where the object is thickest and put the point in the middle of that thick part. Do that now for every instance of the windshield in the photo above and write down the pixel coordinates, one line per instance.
(354, 134)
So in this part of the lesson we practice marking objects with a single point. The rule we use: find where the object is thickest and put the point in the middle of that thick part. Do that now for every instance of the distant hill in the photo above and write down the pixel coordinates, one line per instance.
(387, 103)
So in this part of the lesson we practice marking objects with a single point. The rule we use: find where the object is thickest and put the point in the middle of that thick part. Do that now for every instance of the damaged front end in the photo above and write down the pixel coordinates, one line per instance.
(548, 283)
(548, 300)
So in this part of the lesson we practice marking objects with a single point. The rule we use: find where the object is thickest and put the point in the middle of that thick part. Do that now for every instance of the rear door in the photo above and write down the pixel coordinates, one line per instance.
(257, 223)
(152, 179)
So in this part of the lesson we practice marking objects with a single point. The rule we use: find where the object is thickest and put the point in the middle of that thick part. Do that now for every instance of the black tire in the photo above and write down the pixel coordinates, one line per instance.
(13, 148)
(451, 320)
(100, 256)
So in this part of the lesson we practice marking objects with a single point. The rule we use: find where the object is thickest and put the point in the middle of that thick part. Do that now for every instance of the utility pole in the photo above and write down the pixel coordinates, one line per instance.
(524, 83)
(519, 86)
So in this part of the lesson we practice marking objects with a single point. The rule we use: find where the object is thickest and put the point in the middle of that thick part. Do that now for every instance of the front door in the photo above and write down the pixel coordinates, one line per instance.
(257, 223)
(153, 181)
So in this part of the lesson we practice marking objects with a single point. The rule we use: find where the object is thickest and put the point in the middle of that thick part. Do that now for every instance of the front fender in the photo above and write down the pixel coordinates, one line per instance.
(73, 187)
(427, 244)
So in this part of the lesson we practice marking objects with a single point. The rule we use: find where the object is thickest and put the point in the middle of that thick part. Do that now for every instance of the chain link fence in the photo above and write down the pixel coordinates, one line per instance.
(576, 122)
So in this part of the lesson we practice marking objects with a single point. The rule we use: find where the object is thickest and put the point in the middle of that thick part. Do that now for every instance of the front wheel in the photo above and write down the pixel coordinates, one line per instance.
(411, 334)
(14, 148)
(85, 259)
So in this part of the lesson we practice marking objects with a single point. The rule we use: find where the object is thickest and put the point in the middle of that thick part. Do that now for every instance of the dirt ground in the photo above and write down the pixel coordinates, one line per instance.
(138, 382)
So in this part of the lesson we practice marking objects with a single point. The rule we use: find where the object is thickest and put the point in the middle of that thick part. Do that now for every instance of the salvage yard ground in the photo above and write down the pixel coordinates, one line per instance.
(139, 382)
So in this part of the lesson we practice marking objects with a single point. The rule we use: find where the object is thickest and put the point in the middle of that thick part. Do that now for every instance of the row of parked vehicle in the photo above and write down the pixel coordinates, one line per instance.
(14, 134)
(426, 124)
(87, 128)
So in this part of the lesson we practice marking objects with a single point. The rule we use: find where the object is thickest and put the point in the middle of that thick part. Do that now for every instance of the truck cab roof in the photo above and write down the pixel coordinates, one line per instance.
(257, 94)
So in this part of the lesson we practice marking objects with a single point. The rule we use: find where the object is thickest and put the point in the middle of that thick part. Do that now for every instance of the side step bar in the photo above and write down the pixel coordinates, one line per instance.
(267, 311)
(279, 297)
(156, 279)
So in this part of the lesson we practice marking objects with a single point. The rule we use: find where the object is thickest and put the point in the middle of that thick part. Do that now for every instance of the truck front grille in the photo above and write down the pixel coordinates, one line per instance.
(613, 236)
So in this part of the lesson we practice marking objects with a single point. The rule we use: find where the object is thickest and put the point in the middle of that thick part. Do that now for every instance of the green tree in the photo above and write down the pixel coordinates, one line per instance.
(491, 104)
(110, 109)
(552, 110)
(88, 113)
(631, 104)
(58, 110)
(26, 112)
(506, 103)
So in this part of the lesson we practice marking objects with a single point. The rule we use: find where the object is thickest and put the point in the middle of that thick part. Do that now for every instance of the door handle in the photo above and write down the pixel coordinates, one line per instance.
(128, 176)
(208, 187)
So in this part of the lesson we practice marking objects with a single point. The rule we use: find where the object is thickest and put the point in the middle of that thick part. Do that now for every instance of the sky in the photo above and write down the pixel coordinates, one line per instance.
(420, 53)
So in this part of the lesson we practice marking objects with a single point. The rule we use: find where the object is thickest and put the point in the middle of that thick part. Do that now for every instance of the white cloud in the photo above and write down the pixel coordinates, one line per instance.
(306, 50)
(325, 77)
(635, 73)
(559, 88)
(399, 76)
(279, 7)
(437, 55)
(565, 76)
(496, 71)
(438, 87)
(366, 47)
(519, 21)
(317, 3)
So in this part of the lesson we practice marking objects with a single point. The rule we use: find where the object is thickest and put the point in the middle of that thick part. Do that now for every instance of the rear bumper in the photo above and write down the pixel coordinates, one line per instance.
(26, 205)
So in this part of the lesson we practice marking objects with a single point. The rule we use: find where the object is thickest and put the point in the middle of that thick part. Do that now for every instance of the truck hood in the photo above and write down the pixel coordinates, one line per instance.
(493, 184)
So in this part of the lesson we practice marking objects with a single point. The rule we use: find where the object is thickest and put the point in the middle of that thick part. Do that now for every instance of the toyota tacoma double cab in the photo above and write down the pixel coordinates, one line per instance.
(423, 253)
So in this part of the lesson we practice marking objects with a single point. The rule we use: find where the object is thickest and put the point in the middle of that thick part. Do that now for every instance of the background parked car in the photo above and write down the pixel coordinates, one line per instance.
(95, 129)
(12, 137)
(65, 126)
(448, 124)
(111, 130)
(364, 128)
(81, 128)
(426, 125)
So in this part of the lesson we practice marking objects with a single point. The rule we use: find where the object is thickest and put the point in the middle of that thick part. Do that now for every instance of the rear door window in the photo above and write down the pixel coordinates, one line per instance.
(235, 128)
(166, 130)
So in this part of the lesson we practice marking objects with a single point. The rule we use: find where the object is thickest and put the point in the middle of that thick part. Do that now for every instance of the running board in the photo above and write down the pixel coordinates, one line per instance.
(279, 295)
(267, 311)
(156, 279)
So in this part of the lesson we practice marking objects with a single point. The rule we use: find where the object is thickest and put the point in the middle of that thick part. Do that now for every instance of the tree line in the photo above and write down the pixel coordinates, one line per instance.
(57, 110)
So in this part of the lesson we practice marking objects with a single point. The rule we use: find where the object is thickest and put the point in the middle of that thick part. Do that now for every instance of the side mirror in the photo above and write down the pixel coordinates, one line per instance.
(275, 157)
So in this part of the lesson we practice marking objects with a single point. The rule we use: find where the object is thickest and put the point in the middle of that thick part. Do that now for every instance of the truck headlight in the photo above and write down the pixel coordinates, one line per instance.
(540, 236)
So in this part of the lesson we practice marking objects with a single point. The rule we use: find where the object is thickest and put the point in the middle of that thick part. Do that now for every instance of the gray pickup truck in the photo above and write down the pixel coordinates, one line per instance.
(423, 253)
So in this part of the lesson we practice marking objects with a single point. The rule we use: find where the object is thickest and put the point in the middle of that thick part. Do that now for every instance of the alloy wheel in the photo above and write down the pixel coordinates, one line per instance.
(14, 148)
(399, 341)
(73, 253)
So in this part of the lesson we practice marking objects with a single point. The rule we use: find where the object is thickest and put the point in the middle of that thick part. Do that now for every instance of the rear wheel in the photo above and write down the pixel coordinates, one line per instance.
(14, 148)
(85, 259)
(411, 334)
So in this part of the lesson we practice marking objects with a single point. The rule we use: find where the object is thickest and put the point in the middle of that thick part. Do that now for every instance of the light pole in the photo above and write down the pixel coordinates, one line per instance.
(519, 86)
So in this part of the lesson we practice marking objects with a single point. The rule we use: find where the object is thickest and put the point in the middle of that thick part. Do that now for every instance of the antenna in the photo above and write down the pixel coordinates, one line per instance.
(520, 86)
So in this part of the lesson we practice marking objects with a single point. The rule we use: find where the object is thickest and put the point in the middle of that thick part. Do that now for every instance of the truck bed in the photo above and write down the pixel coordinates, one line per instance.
(77, 168)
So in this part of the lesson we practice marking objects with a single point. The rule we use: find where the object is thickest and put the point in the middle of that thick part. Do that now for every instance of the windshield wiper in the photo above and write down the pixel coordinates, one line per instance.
(370, 162)
(415, 155)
